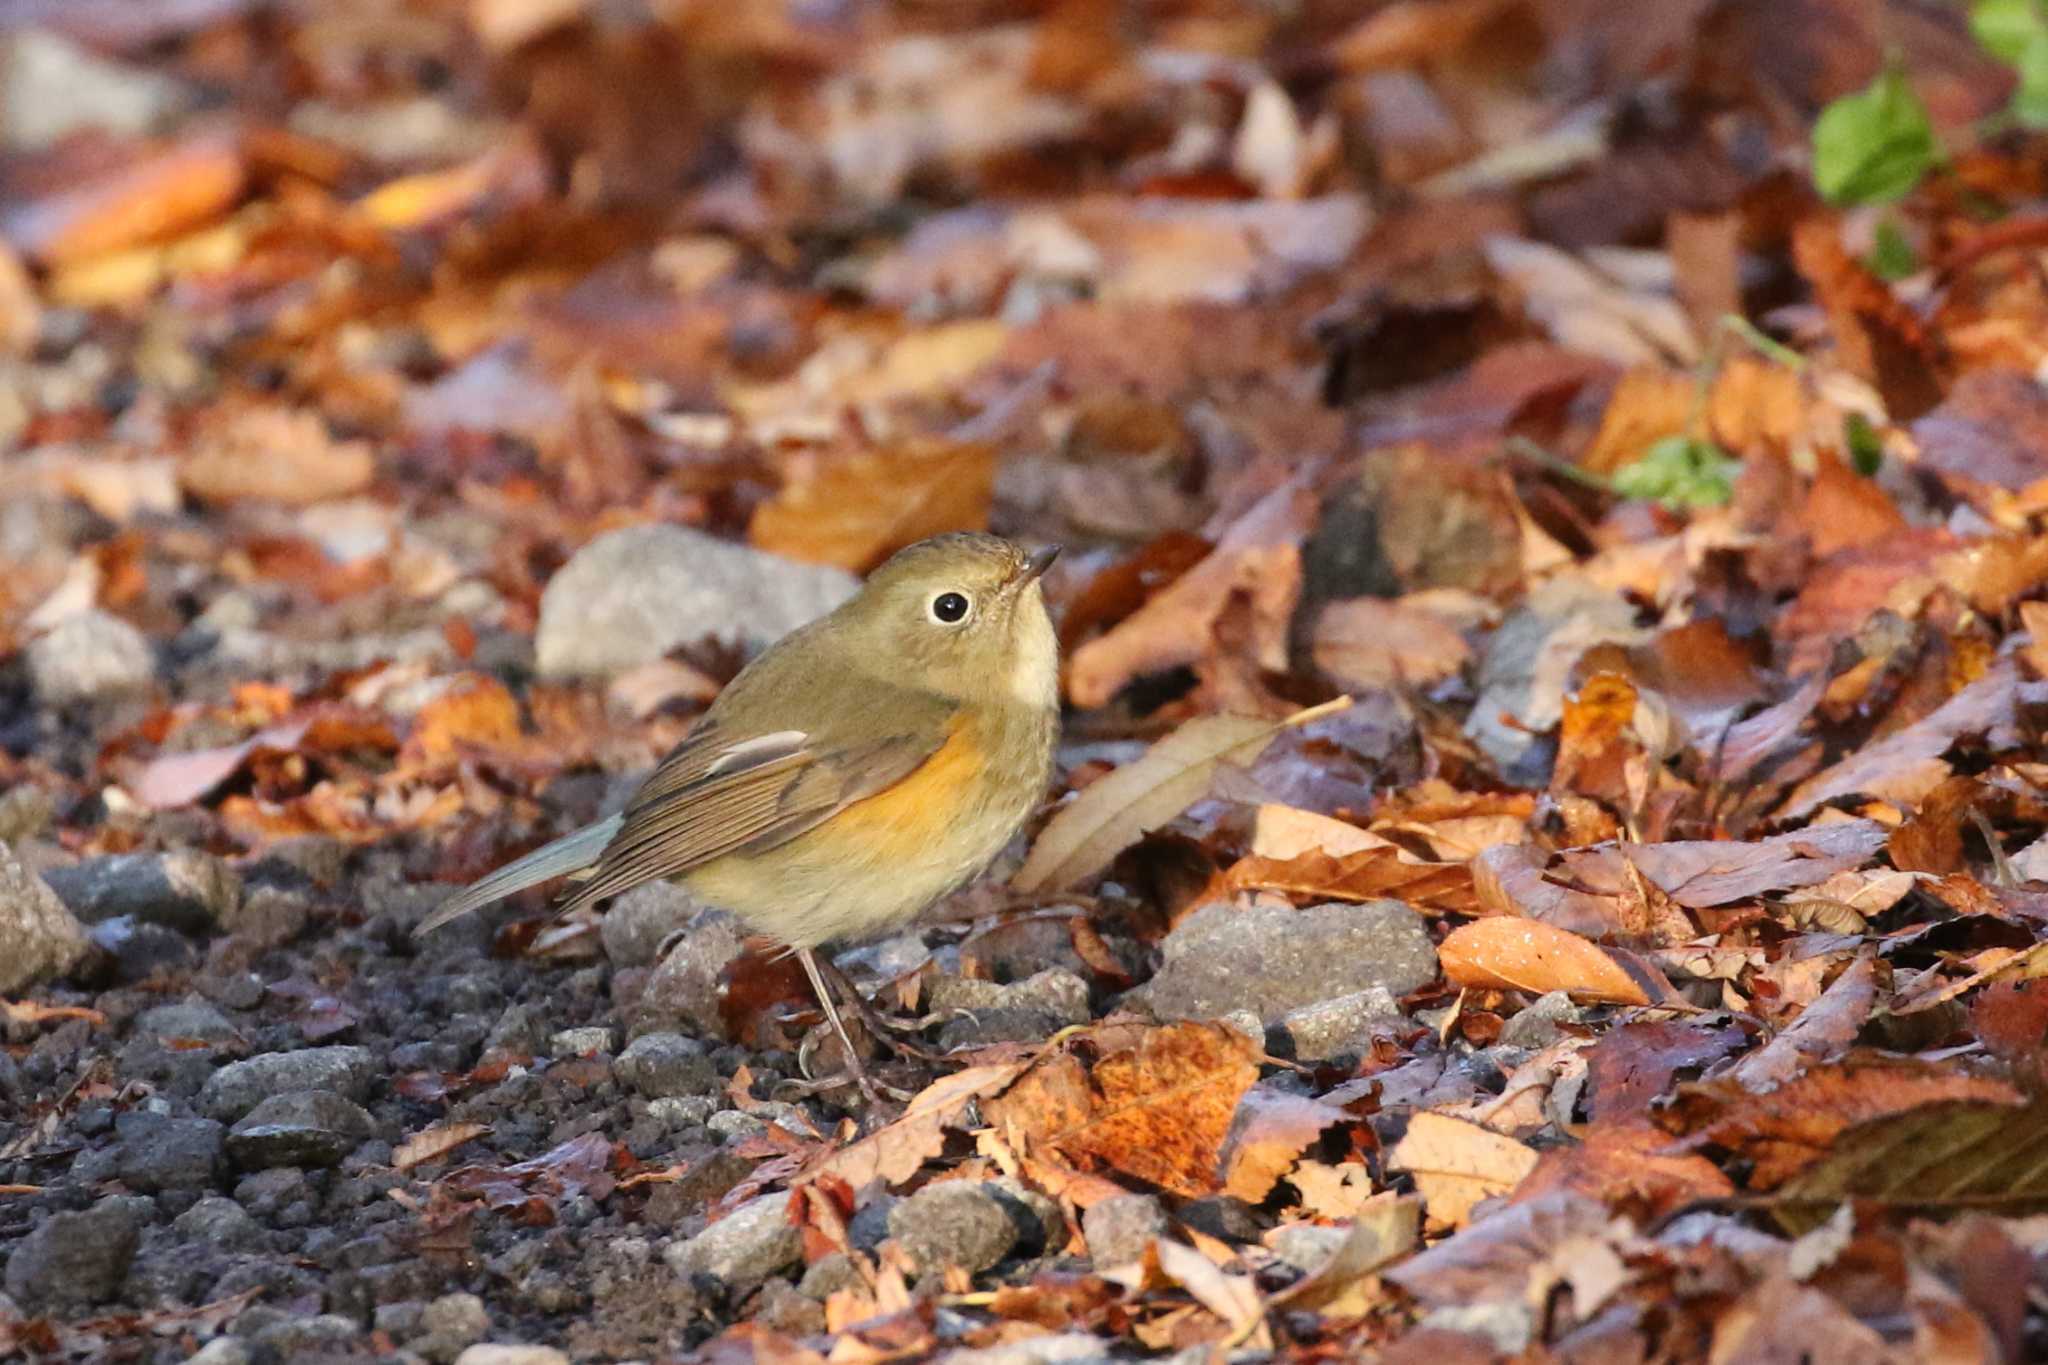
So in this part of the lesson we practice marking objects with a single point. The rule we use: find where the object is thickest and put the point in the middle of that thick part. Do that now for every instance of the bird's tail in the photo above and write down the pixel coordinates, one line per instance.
(569, 854)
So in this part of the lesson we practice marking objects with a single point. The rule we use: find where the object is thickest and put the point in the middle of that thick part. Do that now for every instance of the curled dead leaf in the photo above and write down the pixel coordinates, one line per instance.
(1118, 810)
(1502, 953)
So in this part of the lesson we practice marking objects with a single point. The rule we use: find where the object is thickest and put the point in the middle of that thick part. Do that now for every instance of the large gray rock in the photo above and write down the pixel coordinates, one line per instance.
(162, 1153)
(629, 597)
(183, 889)
(238, 1087)
(42, 937)
(75, 1258)
(667, 1065)
(89, 656)
(1119, 1228)
(1268, 958)
(685, 988)
(744, 1248)
(956, 1222)
(636, 923)
(304, 1128)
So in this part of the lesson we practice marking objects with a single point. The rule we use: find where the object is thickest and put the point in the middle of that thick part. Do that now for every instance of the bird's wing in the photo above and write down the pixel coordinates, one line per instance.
(719, 792)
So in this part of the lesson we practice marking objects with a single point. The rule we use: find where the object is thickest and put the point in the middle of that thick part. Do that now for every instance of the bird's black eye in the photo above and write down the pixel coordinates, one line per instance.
(950, 608)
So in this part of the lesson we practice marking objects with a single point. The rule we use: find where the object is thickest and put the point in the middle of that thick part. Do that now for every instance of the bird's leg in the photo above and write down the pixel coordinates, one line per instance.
(890, 1032)
(868, 1086)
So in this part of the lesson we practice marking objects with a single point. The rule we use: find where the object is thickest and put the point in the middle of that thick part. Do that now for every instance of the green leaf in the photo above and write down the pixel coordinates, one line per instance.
(1875, 145)
(1866, 447)
(1680, 471)
(2030, 101)
(1891, 256)
(2005, 27)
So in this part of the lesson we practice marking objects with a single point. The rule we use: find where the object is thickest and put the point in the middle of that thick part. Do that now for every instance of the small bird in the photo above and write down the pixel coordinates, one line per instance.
(861, 768)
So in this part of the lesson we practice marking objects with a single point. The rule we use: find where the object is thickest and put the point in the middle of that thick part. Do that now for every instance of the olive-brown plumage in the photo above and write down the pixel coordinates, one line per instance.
(860, 769)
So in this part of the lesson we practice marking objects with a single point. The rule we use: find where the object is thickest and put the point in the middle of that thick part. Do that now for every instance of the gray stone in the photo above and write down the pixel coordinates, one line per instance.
(830, 1274)
(979, 1013)
(163, 1153)
(219, 1222)
(90, 656)
(667, 1065)
(685, 988)
(1269, 958)
(1345, 1024)
(221, 1351)
(629, 597)
(238, 1087)
(1118, 1229)
(295, 1338)
(635, 925)
(450, 1325)
(583, 1042)
(744, 1248)
(75, 1259)
(494, 1353)
(25, 812)
(188, 1020)
(299, 1128)
(1307, 1246)
(955, 1222)
(43, 938)
(183, 889)
(1057, 1348)
(50, 86)
(1534, 1026)
(140, 950)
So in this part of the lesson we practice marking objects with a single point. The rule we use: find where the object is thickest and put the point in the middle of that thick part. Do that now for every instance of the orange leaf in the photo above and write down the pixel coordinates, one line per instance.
(855, 510)
(1157, 1108)
(1528, 955)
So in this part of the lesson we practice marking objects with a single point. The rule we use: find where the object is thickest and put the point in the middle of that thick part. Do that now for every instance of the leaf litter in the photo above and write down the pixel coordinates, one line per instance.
(1564, 558)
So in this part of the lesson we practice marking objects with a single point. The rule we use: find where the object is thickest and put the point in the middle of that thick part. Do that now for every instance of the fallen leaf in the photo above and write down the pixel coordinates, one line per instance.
(1116, 811)
(854, 510)
(1268, 1135)
(475, 711)
(1630, 1168)
(1385, 1229)
(1456, 1164)
(1823, 1030)
(1907, 764)
(275, 454)
(123, 197)
(1368, 642)
(1783, 1130)
(1258, 556)
(1503, 953)
(431, 1144)
(1233, 1298)
(1367, 874)
(896, 1152)
(1158, 1107)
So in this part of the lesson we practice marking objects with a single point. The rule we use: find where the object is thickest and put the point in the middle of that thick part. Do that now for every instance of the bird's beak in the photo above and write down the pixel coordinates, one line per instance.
(1036, 566)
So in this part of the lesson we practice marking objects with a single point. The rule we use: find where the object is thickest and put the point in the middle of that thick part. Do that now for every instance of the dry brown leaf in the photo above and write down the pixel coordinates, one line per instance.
(145, 194)
(1383, 1229)
(431, 1144)
(1258, 556)
(1158, 1107)
(474, 711)
(1365, 875)
(1233, 1298)
(1649, 404)
(1823, 1030)
(1502, 953)
(275, 454)
(897, 1152)
(1283, 832)
(1455, 1164)
(1271, 1131)
(1781, 1130)
(1368, 642)
(1118, 810)
(855, 510)
(1907, 764)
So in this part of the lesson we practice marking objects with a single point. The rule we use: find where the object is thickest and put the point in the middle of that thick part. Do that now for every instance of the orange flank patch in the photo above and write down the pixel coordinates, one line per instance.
(900, 818)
